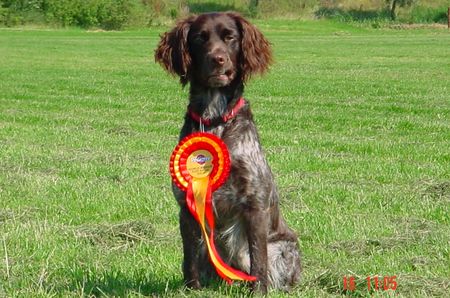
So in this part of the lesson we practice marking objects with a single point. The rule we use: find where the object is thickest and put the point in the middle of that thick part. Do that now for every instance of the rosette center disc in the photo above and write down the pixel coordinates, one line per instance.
(199, 164)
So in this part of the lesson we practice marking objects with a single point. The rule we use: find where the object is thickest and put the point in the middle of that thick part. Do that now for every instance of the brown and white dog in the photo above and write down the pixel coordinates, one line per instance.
(216, 54)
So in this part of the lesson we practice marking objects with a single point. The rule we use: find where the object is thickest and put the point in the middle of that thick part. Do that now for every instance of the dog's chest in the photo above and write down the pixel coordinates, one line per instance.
(226, 199)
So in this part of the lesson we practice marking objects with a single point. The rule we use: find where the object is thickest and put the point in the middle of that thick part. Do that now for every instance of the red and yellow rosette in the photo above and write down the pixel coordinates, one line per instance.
(199, 165)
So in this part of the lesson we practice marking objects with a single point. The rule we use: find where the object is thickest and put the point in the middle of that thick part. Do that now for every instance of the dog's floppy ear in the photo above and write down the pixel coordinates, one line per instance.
(255, 48)
(173, 52)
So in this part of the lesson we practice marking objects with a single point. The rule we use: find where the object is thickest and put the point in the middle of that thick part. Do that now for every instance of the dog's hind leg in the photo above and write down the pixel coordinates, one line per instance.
(284, 257)
(284, 264)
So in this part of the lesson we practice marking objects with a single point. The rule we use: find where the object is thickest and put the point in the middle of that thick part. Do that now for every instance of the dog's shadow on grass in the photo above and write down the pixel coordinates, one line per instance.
(117, 284)
(113, 282)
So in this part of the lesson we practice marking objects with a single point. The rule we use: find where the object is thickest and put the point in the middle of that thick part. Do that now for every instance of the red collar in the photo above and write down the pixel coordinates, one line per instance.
(224, 118)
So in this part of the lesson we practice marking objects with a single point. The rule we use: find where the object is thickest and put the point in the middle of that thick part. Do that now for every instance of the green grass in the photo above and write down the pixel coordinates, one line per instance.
(355, 124)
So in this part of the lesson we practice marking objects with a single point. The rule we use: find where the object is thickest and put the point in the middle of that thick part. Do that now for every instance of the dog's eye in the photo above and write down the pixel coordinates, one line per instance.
(200, 37)
(229, 38)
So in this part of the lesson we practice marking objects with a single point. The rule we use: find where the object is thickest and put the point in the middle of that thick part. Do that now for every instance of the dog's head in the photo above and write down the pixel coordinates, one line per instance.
(214, 49)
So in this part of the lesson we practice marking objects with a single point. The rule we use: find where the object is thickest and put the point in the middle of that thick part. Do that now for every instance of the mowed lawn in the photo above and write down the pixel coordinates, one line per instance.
(355, 123)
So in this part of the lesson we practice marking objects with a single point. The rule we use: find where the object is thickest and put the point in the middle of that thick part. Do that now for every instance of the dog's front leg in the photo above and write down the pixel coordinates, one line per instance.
(190, 234)
(257, 230)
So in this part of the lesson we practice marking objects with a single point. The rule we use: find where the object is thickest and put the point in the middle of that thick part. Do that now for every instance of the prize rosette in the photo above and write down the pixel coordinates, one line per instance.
(199, 165)
(200, 155)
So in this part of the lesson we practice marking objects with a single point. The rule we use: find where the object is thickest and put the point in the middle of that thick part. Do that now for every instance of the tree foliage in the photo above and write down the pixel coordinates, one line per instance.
(106, 14)
(119, 14)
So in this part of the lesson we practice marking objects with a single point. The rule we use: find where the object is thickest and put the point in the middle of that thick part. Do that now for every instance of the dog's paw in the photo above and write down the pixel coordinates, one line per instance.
(259, 288)
(193, 284)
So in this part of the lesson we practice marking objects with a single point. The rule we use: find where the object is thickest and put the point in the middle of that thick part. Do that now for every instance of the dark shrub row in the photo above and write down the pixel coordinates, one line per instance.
(105, 14)
(118, 14)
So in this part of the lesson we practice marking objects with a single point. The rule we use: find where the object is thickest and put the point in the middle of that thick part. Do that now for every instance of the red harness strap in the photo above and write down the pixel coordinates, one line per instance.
(224, 118)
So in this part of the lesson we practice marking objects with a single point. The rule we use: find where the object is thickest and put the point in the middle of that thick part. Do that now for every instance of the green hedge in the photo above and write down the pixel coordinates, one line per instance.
(120, 14)
(420, 14)
(105, 14)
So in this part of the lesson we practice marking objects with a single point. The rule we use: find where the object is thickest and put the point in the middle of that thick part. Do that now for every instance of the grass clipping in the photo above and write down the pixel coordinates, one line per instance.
(117, 236)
